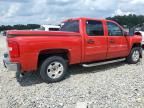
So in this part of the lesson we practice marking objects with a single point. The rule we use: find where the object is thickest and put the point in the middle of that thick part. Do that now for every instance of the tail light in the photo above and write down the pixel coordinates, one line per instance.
(13, 48)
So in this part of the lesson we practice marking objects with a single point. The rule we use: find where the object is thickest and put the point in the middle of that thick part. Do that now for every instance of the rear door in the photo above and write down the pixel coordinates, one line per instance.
(95, 41)
(117, 42)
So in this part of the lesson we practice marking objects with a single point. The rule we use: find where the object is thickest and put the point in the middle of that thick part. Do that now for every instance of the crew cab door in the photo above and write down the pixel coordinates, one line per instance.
(117, 42)
(95, 41)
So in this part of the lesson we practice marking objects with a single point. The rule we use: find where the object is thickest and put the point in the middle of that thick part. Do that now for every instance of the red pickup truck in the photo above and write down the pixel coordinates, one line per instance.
(85, 41)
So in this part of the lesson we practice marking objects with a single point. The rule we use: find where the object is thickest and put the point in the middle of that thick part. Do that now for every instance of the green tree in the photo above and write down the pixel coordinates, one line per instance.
(130, 20)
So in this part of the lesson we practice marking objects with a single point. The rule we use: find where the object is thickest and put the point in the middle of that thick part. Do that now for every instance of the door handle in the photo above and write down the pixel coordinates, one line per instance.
(90, 41)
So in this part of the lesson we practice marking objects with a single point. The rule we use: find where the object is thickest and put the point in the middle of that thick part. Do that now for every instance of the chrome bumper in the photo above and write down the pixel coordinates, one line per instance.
(10, 66)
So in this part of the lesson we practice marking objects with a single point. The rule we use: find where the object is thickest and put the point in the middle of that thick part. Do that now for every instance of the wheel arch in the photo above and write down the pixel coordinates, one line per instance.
(136, 45)
(45, 53)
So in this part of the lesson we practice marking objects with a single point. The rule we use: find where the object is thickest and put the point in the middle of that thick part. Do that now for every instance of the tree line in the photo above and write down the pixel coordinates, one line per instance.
(128, 21)
(19, 27)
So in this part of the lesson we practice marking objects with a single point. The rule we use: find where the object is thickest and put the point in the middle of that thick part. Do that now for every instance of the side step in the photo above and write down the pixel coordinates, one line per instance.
(103, 63)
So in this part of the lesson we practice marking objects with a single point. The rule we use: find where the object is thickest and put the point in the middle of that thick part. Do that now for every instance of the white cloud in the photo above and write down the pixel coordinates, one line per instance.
(39, 6)
(120, 12)
(101, 4)
(12, 10)
(137, 1)
(54, 11)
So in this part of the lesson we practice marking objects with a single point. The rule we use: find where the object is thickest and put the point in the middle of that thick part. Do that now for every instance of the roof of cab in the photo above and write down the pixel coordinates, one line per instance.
(87, 18)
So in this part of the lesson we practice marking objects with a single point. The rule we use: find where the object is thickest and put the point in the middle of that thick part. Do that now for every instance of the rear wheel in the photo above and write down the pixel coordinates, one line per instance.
(53, 69)
(134, 55)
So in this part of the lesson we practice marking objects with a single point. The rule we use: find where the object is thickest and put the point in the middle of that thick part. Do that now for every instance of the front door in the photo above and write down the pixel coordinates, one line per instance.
(117, 42)
(95, 41)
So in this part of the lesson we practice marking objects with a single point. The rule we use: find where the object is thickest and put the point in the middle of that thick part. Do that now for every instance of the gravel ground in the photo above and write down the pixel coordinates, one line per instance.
(116, 85)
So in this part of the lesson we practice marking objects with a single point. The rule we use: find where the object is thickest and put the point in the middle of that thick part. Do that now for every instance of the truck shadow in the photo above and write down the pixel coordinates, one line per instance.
(28, 79)
(34, 78)
(77, 69)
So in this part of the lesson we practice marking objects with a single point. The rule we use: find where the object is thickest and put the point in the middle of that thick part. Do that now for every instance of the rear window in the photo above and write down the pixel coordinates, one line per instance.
(70, 26)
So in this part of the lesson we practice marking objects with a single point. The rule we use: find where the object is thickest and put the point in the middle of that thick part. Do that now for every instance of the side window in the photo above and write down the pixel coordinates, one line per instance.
(70, 26)
(114, 30)
(94, 28)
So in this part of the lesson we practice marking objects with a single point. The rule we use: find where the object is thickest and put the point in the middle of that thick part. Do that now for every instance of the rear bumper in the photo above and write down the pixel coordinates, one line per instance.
(9, 65)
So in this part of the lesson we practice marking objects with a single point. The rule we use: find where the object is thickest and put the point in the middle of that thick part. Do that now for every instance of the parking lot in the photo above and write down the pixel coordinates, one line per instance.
(117, 85)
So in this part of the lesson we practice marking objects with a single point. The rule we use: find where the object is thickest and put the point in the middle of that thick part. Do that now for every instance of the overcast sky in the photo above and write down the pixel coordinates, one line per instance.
(54, 11)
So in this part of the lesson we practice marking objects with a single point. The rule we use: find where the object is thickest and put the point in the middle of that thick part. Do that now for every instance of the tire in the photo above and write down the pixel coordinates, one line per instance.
(142, 46)
(53, 69)
(134, 55)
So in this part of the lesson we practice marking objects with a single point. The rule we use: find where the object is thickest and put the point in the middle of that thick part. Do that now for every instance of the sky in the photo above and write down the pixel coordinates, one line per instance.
(54, 11)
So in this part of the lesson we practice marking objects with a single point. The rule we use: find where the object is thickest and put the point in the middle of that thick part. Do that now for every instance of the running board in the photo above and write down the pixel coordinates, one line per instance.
(103, 63)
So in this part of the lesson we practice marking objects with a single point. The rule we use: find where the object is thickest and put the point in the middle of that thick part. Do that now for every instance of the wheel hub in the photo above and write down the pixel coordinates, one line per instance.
(55, 70)
(135, 56)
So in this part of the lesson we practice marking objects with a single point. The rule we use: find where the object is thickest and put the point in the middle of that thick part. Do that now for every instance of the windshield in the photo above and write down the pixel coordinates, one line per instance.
(70, 26)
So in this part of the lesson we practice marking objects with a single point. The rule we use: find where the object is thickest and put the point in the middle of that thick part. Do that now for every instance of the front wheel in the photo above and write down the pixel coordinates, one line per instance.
(134, 55)
(53, 69)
